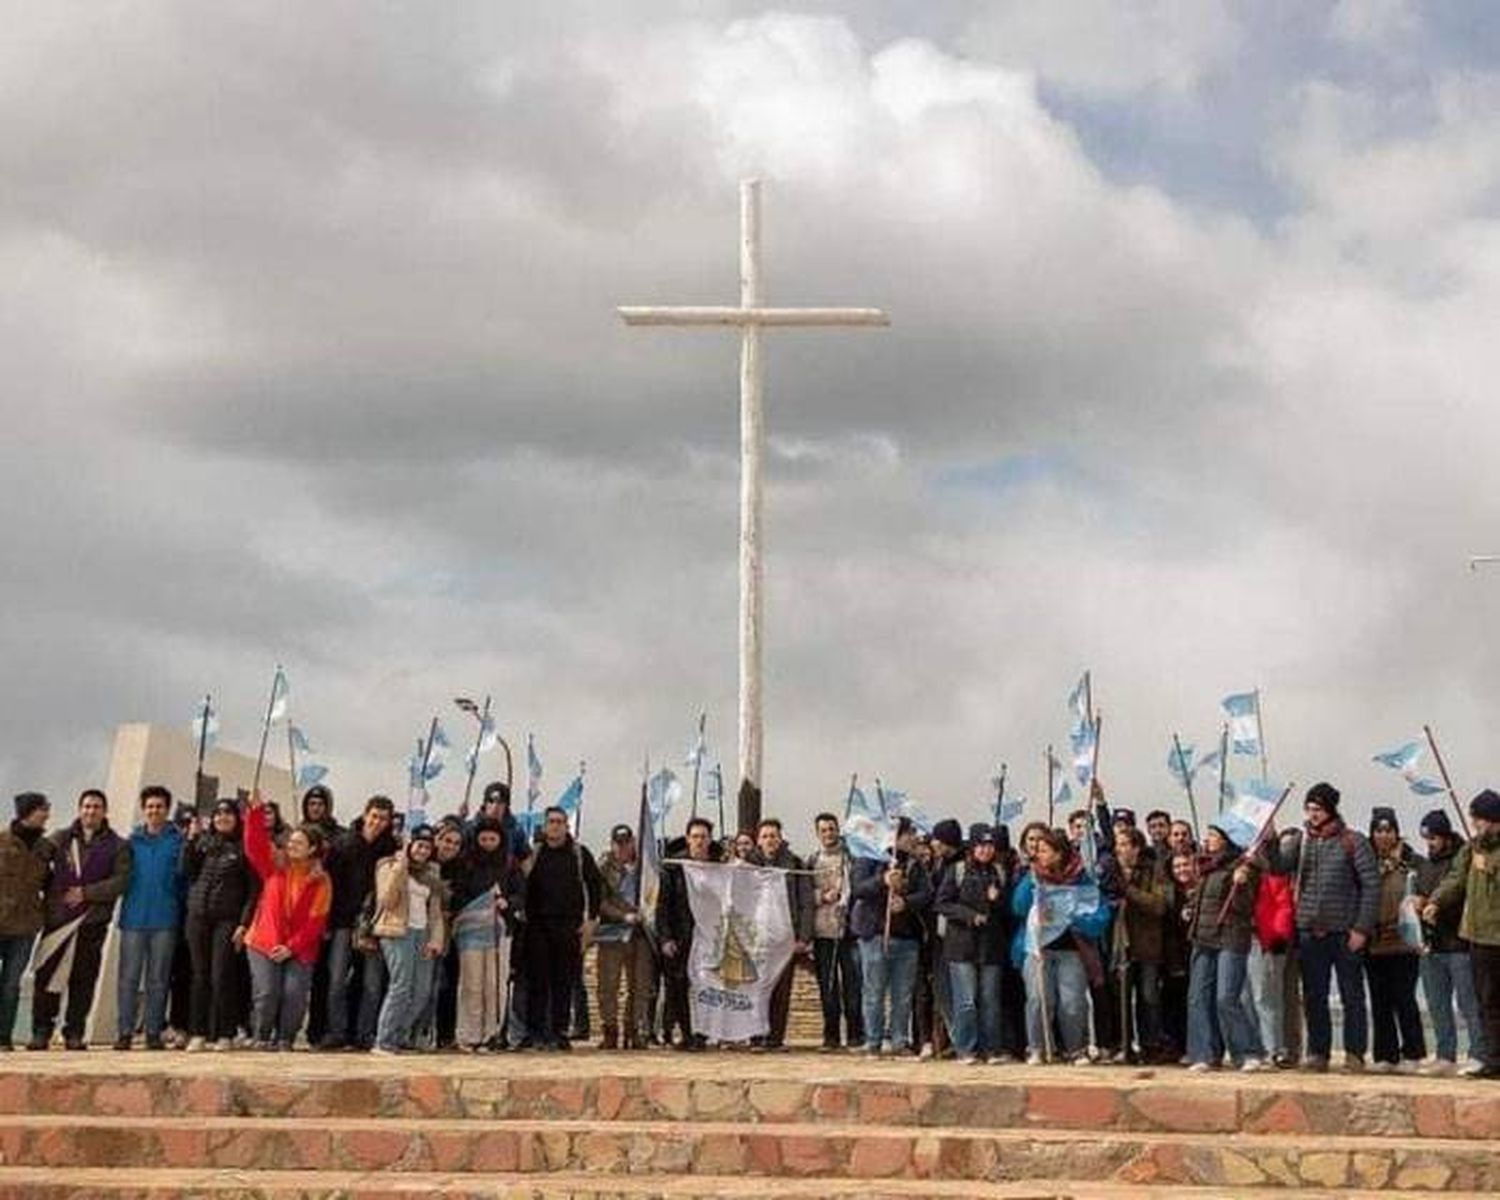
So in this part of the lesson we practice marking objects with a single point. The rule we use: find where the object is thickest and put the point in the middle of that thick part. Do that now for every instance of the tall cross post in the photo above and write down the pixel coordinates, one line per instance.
(750, 317)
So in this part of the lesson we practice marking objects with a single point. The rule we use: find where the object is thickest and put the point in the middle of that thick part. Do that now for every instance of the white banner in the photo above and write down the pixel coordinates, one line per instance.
(742, 942)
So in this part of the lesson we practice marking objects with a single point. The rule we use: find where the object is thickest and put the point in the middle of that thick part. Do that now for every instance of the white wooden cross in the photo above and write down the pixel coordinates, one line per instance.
(750, 317)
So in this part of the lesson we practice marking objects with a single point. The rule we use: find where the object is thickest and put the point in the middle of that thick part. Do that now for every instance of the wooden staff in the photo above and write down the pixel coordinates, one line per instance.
(1437, 757)
(1051, 785)
(1250, 850)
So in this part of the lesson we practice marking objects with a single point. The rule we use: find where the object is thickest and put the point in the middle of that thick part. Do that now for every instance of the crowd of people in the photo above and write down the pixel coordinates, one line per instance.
(1102, 941)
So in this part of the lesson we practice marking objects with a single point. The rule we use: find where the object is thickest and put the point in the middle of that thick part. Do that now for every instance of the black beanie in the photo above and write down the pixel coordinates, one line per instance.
(949, 832)
(1325, 796)
(1381, 815)
(1436, 824)
(1485, 806)
(28, 802)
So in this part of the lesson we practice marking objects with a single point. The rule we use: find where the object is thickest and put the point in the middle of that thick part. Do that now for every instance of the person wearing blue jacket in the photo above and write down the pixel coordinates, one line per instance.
(150, 916)
(1072, 920)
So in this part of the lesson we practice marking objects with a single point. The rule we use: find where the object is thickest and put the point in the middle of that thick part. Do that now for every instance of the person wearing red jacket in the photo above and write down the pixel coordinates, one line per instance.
(1273, 992)
(287, 930)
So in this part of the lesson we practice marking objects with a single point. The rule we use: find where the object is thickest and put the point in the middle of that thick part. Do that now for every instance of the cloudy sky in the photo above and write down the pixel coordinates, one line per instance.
(310, 354)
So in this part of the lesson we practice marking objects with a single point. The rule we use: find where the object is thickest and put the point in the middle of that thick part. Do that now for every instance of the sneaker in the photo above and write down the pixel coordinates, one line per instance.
(1315, 1064)
(1354, 1064)
(77, 1043)
(1380, 1068)
(39, 1043)
(123, 1043)
(1283, 1061)
(926, 1051)
(1033, 1058)
(6, 1045)
(331, 1044)
(885, 1046)
(1003, 1059)
(1471, 1068)
(1482, 1071)
(382, 1052)
(155, 1043)
(197, 1045)
(1440, 1067)
(221, 1046)
(1253, 1065)
(1408, 1066)
(968, 1060)
(1200, 1068)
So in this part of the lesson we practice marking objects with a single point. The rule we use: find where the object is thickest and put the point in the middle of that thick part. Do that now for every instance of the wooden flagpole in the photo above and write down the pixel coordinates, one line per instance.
(1437, 757)
(1187, 783)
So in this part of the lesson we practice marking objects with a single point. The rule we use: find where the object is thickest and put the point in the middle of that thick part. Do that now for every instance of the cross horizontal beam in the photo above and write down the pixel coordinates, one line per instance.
(725, 316)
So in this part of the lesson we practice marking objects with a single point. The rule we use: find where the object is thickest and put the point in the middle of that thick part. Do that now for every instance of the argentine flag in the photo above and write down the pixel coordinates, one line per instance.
(1243, 711)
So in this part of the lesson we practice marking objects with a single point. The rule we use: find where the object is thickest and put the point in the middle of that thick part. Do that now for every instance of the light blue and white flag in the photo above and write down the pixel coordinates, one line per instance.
(281, 696)
(1252, 806)
(1010, 810)
(533, 774)
(1243, 711)
(899, 804)
(205, 733)
(1406, 760)
(662, 794)
(571, 801)
(868, 835)
(713, 788)
(310, 773)
(1185, 769)
(299, 740)
(489, 738)
(1078, 699)
(1062, 795)
(698, 752)
(1055, 906)
(1084, 738)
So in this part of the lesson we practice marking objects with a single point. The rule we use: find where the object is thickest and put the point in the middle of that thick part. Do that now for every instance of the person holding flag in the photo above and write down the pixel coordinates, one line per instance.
(624, 947)
(488, 900)
(1060, 919)
(835, 949)
(1447, 973)
(890, 894)
(677, 928)
(495, 805)
(1223, 922)
(771, 850)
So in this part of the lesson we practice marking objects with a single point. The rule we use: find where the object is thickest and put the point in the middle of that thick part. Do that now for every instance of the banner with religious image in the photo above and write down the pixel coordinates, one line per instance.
(742, 942)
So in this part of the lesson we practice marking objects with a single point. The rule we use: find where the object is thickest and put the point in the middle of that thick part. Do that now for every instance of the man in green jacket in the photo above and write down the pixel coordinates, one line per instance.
(1474, 883)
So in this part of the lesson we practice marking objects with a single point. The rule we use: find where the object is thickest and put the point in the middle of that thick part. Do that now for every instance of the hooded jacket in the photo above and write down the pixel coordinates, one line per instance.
(1472, 887)
(294, 901)
(1442, 935)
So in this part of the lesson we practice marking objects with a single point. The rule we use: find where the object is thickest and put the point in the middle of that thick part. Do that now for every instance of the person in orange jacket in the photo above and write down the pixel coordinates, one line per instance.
(287, 931)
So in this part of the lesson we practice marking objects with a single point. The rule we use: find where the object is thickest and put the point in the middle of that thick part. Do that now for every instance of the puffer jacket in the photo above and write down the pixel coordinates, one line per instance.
(222, 885)
(1336, 880)
(1233, 930)
(23, 881)
(1474, 884)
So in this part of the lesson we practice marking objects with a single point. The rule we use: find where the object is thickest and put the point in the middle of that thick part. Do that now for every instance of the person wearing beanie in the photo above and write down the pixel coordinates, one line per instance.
(1393, 962)
(971, 908)
(1336, 881)
(890, 896)
(1447, 979)
(1221, 929)
(409, 923)
(223, 890)
(931, 1001)
(487, 901)
(1472, 888)
(24, 863)
(495, 804)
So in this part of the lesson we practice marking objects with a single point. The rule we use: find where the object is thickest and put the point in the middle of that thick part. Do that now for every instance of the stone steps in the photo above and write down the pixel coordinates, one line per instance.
(98, 1184)
(685, 1148)
(810, 1090)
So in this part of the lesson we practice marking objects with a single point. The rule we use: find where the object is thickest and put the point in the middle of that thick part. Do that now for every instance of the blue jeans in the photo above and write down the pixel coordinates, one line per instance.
(1446, 979)
(409, 986)
(889, 971)
(145, 952)
(279, 993)
(343, 960)
(1268, 990)
(15, 954)
(1322, 958)
(1217, 1017)
(1067, 1002)
(974, 991)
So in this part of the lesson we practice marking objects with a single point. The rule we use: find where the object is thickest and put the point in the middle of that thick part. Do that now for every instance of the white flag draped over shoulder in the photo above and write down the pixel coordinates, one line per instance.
(742, 942)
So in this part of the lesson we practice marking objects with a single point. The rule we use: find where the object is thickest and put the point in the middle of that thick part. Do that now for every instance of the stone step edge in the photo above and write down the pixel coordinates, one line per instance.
(104, 1180)
(478, 1126)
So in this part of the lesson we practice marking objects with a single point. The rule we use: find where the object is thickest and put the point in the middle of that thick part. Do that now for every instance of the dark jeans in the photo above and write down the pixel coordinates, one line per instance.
(346, 968)
(215, 1005)
(1322, 958)
(87, 953)
(1141, 1008)
(677, 1010)
(1174, 1008)
(1486, 960)
(15, 956)
(781, 1006)
(447, 997)
(1395, 1020)
(837, 961)
(180, 1000)
(554, 960)
(317, 1005)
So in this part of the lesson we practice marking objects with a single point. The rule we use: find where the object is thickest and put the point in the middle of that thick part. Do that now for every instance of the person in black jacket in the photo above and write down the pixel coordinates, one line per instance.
(562, 897)
(898, 886)
(222, 893)
(488, 898)
(674, 925)
(771, 850)
(351, 868)
(971, 907)
(1447, 975)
